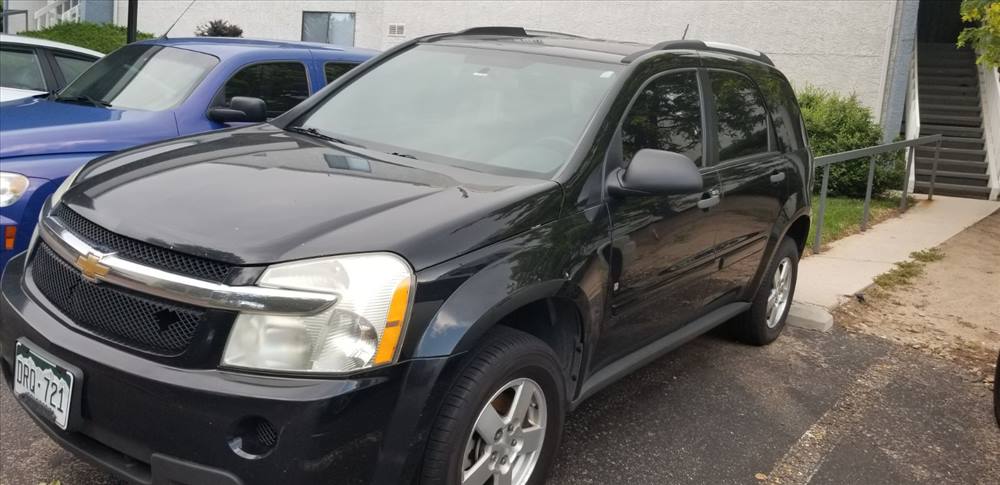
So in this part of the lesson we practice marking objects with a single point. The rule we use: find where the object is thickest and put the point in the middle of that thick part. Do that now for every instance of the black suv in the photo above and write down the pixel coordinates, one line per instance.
(416, 273)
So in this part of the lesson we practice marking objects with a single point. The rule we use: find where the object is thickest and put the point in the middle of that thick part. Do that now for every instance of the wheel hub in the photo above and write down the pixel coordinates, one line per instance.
(507, 438)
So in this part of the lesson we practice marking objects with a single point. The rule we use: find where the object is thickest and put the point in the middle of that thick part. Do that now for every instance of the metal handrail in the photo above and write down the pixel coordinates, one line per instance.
(826, 160)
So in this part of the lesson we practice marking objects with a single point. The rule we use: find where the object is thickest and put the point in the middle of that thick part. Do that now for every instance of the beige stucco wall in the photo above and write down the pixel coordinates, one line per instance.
(839, 45)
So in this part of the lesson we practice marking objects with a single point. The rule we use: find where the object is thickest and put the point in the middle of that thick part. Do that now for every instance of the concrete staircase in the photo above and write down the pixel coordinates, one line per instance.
(949, 104)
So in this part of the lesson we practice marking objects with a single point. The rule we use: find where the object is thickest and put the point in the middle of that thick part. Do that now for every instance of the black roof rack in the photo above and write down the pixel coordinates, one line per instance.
(496, 30)
(701, 46)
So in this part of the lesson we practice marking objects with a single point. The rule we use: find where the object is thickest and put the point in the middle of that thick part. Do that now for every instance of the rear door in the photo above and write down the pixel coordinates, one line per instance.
(662, 245)
(752, 172)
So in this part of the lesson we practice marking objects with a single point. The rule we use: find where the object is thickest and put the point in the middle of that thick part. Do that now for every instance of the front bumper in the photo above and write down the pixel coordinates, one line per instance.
(151, 423)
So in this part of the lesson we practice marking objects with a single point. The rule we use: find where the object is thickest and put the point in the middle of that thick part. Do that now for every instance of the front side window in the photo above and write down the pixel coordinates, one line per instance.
(328, 27)
(71, 67)
(489, 110)
(145, 77)
(333, 70)
(281, 85)
(665, 116)
(20, 69)
(740, 114)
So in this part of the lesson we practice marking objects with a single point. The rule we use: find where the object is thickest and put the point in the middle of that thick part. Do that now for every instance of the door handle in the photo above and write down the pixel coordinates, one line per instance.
(709, 199)
(777, 177)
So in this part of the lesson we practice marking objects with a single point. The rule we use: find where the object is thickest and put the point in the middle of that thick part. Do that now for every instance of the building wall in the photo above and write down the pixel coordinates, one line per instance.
(21, 22)
(838, 45)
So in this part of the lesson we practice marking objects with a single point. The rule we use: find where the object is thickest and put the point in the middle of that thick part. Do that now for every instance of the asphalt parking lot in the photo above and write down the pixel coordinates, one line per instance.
(817, 408)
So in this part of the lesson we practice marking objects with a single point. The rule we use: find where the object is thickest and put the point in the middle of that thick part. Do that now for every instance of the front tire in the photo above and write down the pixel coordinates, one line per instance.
(503, 416)
(765, 319)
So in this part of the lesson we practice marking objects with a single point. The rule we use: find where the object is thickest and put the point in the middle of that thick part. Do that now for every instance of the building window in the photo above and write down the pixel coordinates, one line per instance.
(328, 27)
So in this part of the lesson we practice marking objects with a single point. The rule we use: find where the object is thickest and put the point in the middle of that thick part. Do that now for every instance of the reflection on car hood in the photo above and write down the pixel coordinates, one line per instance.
(9, 94)
(260, 195)
(37, 126)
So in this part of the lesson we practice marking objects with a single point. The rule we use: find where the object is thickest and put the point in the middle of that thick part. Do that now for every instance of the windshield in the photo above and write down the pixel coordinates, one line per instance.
(489, 110)
(145, 77)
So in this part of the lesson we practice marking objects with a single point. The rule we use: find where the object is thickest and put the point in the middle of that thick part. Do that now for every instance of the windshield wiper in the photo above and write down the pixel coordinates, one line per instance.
(83, 99)
(313, 132)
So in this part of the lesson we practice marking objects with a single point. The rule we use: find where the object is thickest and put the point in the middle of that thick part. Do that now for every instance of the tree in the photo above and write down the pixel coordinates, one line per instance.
(99, 37)
(985, 35)
(218, 28)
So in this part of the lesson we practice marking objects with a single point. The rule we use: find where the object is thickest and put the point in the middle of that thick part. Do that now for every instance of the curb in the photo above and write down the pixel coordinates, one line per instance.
(810, 317)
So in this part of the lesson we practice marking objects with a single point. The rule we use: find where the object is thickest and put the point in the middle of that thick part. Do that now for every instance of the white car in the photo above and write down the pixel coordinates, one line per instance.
(30, 66)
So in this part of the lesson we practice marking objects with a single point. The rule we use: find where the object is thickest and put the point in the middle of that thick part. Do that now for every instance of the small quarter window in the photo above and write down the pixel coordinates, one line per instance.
(740, 116)
(281, 85)
(333, 70)
(666, 116)
(71, 67)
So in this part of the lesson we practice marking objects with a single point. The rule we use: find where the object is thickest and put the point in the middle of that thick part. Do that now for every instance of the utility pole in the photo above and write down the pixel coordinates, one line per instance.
(133, 21)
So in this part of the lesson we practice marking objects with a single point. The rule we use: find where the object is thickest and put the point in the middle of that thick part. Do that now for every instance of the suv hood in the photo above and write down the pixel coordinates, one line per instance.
(259, 195)
(37, 126)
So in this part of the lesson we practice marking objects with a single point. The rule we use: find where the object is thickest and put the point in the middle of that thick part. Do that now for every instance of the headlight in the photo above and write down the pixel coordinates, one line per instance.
(58, 194)
(363, 329)
(12, 187)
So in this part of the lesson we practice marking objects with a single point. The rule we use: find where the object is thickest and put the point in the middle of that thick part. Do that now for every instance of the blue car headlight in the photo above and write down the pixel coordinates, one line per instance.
(12, 187)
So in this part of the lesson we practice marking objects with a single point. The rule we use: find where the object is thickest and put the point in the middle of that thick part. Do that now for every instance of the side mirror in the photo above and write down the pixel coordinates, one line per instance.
(656, 172)
(242, 109)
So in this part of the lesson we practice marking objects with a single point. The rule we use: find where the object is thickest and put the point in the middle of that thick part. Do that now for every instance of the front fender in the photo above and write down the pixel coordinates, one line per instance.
(561, 259)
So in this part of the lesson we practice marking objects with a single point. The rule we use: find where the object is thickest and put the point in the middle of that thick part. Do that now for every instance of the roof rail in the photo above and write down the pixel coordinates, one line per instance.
(496, 30)
(702, 46)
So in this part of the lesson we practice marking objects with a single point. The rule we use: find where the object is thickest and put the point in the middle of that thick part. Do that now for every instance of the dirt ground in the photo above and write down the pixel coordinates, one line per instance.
(951, 311)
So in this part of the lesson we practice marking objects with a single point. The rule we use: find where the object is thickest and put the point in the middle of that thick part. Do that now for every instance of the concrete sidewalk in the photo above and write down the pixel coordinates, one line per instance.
(850, 265)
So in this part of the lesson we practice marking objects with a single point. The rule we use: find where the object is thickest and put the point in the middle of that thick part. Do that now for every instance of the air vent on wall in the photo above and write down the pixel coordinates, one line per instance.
(397, 30)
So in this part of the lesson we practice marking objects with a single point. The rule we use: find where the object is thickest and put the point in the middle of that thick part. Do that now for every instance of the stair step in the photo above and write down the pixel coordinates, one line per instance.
(948, 81)
(943, 47)
(937, 89)
(949, 99)
(971, 155)
(956, 178)
(955, 131)
(974, 143)
(933, 107)
(964, 166)
(954, 190)
(948, 70)
(945, 61)
(951, 120)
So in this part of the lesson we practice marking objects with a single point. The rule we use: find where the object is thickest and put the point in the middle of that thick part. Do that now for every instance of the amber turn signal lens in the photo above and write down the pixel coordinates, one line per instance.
(393, 323)
(9, 236)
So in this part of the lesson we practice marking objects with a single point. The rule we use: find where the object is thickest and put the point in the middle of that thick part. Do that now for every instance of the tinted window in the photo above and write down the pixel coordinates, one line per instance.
(502, 112)
(665, 116)
(742, 119)
(71, 67)
(281, 85)
(333, 70)
(20, 69)
(142, 76)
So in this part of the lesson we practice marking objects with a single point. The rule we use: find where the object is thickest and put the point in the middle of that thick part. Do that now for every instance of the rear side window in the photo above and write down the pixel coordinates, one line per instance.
(740, 115)
(20, 69)
(666, 116)
(281, 85)
(71, 67)
(333, 70)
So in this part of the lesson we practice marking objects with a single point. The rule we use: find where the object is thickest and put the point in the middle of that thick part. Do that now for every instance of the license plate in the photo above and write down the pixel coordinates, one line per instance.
(44, 382)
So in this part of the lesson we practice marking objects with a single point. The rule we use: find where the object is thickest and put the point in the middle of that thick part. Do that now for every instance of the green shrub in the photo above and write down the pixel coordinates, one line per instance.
(836, 123)
(99, 37)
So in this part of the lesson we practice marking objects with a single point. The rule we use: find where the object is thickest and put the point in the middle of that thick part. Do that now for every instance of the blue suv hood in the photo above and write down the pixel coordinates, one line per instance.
(37, 126)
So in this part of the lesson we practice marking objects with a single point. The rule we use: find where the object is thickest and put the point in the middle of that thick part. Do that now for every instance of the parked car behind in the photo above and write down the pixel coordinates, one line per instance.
(145, 92)
(29, 66)
(415, 274)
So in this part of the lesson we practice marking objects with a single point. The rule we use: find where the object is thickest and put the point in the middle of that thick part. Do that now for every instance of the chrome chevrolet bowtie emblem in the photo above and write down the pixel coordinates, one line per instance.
(91, 267)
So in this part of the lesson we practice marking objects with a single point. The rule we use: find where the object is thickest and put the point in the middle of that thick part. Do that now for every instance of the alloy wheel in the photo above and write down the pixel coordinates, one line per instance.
(781, 288)
(507, 438)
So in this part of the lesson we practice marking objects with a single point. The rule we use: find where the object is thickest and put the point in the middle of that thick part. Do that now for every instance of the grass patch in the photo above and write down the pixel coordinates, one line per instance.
(843, 216)
(905, 272)
(928, 255)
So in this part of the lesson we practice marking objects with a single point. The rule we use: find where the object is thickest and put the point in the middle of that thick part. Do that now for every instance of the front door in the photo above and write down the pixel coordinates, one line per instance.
(662, 245)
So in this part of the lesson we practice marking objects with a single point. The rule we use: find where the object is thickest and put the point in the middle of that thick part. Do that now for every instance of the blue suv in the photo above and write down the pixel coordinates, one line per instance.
(146, 92)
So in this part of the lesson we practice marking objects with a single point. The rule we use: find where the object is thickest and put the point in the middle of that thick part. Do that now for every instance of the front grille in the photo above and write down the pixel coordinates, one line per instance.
(141, 252)
(120, 316)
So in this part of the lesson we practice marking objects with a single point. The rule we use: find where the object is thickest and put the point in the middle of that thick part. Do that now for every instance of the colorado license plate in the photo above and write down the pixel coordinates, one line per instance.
(46, 383)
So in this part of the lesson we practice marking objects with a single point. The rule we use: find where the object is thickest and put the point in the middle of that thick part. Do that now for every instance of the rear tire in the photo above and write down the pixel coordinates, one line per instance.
(764, 321)
(502, 416)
